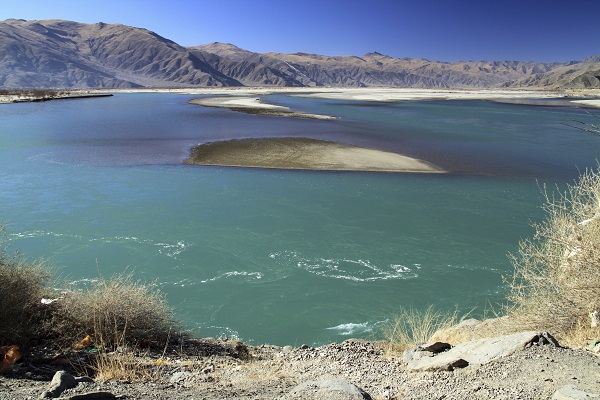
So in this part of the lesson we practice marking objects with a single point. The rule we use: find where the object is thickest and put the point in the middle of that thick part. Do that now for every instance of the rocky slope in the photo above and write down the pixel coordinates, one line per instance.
(66, 54)
(573, 75)
(374, 69)
(224, 369)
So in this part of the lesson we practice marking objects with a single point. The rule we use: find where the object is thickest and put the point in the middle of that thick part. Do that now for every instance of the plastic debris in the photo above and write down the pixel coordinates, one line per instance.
(84, 343)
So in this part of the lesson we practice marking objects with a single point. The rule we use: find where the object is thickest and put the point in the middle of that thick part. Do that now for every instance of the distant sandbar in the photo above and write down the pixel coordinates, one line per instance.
(304, 154)
(252, 105)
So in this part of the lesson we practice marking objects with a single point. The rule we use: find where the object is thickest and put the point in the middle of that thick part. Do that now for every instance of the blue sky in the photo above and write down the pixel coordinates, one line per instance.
(445, 30)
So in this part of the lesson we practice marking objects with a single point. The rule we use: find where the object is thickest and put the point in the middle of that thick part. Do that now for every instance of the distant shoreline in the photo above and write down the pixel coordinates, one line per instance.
(303, 154)
(25, 97)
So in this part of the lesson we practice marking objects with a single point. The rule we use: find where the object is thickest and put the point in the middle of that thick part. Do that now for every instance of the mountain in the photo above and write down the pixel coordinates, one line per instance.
(572, 75)
(374, 69)
(66, 54)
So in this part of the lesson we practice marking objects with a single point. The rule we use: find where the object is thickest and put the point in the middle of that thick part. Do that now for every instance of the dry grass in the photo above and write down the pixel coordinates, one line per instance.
(124, 364)
(115, 312)
(556, 283)
(23, 286)
(411, 327)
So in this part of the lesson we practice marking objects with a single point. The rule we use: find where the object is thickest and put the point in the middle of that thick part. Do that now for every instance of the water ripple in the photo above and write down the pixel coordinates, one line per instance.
(343, 268)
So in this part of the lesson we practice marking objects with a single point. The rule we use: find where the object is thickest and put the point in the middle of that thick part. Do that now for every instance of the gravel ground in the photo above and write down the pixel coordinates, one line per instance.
(225, 369)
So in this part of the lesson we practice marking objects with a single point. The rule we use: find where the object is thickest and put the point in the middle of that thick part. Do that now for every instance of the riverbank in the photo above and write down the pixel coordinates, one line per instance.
(384, 94)
(305, 154)
(28, 96)
(355, 369)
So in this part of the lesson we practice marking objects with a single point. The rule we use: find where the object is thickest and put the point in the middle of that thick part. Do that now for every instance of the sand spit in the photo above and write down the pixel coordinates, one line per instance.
(305, 154)
(590, 103)
(24, 98)
(252, 105)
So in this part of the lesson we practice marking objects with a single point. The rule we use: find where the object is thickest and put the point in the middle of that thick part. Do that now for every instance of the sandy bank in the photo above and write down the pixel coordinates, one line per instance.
(252, 105)
(398, 94)
(381, 94)
(302, 153)
(592, 103)
(24, 98)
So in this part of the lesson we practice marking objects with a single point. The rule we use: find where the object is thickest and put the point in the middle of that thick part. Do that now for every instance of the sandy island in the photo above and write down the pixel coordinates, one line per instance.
(252, 105)
(305, 154)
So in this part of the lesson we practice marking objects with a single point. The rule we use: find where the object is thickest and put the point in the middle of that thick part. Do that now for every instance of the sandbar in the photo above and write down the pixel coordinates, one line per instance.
(253, 105)
(304, 154)
(25, 97)
(411, 94)
(589, 103)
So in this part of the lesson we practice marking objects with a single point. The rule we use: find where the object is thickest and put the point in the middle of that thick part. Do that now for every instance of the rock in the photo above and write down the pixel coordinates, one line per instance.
(61, 381)
(435, 347)
(179, 377)
(327, 389)
(427, 361)
(287, 349)
(208, 369)
(477, 352)
(569, 392)
(94, 396)
(595, 319)
(84, 379)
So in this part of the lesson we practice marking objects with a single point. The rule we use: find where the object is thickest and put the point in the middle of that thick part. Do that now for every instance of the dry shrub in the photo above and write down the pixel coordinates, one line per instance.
(472, 329)
(411, 327)
(556, 283)
(23, 285)
(120, 367)
(114, 312)
(123, 365)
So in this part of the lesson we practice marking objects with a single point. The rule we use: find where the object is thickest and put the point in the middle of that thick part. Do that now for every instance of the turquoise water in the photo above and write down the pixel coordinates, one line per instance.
(284, 257)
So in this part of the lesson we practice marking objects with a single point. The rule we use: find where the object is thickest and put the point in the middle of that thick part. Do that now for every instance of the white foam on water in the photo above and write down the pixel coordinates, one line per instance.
(39, 233)
(352, 328)
(170, 249)
(255, 275)
(183, 282)
(219, 331)
(353, 270)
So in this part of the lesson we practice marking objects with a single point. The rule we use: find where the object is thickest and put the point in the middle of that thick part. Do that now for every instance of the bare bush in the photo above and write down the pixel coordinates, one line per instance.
(23, 285)
(116, 311)
(556, 283)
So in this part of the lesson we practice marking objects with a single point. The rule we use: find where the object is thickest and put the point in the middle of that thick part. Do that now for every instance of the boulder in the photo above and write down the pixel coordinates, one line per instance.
(569, 392)
(61, 381)
(327, 389)
(476, 352)
(95, 396)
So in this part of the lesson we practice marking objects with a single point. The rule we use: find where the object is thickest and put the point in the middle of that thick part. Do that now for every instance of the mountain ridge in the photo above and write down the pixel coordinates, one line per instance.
(68, 54)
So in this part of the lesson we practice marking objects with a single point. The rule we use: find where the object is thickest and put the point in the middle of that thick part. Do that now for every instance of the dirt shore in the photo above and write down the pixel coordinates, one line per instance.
(303, 153)
(225, 369)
